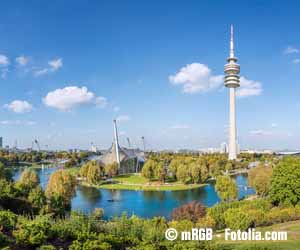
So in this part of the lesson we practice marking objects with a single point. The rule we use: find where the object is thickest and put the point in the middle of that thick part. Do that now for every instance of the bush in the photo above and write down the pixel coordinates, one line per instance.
(278, 215)
(236, 218)
(8, 220)
(98, 213)
(90, 245)
(33, 232)
(47, 247)
(3, 240)
(206, 222)
(182, 225)
(257, 216)
(191, 211)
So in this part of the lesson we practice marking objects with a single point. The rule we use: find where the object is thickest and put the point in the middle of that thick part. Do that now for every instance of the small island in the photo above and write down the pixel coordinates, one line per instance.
(137, 182)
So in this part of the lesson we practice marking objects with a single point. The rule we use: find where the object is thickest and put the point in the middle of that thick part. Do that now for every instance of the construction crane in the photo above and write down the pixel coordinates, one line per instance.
(129, 144)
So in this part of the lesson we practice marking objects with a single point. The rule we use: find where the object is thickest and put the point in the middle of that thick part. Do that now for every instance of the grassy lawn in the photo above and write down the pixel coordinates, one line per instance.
(138, 182)
(293, 242)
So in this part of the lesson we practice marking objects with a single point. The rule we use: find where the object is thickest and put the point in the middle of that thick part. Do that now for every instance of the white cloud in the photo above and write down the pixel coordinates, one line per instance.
(274, 125)
(123, 118)
(195, 78)
(101, 102)
(180, 126)
(260, 132)
(69, 97)
(4, 61)
(22, 60)
(291, 50)
(19, 106)
(17, 122)
(296, 61)
(54, 65)
(249, 88)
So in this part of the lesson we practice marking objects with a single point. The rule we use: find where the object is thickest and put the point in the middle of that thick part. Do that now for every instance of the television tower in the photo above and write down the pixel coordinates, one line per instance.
(232, 81)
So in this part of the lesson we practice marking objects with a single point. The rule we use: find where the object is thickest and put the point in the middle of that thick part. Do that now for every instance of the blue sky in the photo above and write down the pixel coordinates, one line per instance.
(69, 67)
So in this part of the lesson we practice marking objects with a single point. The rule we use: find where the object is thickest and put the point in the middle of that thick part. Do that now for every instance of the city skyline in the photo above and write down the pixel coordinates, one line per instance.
(64, 79)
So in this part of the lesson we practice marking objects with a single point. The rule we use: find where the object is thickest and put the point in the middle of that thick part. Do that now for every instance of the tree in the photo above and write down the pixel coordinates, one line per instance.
(226, 188)
(37, 197)
(148, 169)
(83, 172)
(237, 219)
(111, 169)
(173, 167)
(61, 184)
(228, 166)
(29, 178)
(191, 211)
(183, 174)
(196, 172)
(5, 173)
(285, 182)
(160, 172)
(204, 171)
(260, 179)
(94, 173)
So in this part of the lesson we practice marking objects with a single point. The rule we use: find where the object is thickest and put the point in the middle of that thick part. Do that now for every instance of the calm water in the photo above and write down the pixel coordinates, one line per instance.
(141, 203)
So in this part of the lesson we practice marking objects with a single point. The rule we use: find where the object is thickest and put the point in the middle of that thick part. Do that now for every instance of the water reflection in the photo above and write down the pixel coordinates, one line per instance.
(141, 203)
(90, 194)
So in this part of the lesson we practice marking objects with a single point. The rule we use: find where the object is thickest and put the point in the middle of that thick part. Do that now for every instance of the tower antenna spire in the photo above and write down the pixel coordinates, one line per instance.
(231, 53)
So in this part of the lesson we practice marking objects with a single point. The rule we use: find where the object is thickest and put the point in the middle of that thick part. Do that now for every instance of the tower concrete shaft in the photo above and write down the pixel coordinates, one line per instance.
(232, 152)
(232, 81)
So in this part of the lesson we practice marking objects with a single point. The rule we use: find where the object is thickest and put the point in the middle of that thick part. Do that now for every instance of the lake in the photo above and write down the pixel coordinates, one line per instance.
(142, 203)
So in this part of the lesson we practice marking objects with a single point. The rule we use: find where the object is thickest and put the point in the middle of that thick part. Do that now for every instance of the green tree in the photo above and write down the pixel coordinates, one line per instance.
(160, 172)
(61, 184)
(111, 169)
(148, 169)
(37, 197)
(29, 178)
(183, 174)
(83, 172)
(94, 173)
(237, 219)
(260, 179)
(228, 166)
(226, 188)
(173, 167)
(285, 182)
(5, 173)
(195, 172)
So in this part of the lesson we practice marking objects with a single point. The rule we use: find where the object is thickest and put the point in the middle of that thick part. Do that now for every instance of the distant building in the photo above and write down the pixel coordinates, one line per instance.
(94, 148)
(129, 160)
(1, 142)
(224, 148)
